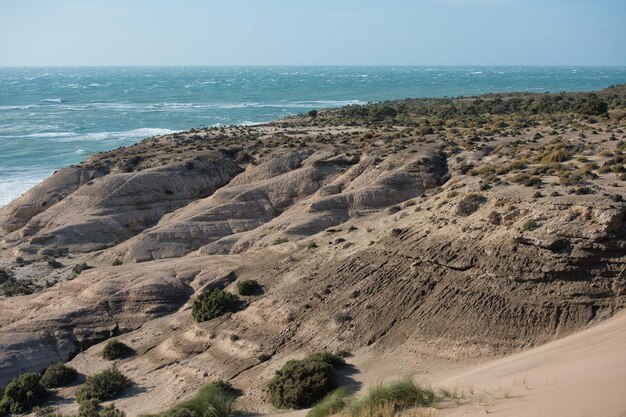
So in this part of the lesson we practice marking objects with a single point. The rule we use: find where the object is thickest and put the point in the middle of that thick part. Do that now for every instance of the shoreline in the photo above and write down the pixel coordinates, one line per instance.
(246, 123)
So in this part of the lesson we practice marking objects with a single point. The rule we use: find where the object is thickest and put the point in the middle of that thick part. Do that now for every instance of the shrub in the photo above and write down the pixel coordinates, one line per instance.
(102, 386)
(53, 263)
(333, 360)
(302, 383)
(58, 375)
(117, 262)
(527, 180)
(280, 241)
(311, 245)
(248, 287)
(4, 274)
(530, 225)
(557, 155)
(13, 287)
(214, 303)
(470, 203)
(111, 411)
(90, 408)
(114, 349)
(22, 394)
(78, 268)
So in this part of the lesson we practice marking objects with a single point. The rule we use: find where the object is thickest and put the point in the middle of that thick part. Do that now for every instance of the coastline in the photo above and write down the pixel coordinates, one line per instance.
(79, 111)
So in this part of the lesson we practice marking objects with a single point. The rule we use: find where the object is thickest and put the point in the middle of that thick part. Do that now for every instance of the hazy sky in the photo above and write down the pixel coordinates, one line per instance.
(312, 32)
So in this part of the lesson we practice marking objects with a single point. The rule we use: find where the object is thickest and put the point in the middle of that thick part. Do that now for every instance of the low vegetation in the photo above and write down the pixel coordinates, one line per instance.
(22, 394)
(302, 383)
(212, 400)
(91, 408)
(103, 386)
(214, 303)
(58, 375)
(114, 349)
(391, 398)
(333, 403)
(470, 204)
(13, 287)
(249, 287)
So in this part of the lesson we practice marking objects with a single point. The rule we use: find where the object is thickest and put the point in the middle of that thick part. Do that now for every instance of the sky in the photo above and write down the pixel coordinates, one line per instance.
(312, 32)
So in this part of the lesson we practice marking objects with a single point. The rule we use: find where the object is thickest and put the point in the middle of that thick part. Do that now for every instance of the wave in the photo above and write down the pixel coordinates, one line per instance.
(139, 133)
(25, 107)
(51, 135)
(176, 106)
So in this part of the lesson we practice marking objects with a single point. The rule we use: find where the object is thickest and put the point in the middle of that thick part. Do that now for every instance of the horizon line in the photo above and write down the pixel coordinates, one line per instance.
(321, 65)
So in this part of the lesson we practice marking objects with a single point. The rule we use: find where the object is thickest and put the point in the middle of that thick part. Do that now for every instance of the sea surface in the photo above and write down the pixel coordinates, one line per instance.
(54, 117)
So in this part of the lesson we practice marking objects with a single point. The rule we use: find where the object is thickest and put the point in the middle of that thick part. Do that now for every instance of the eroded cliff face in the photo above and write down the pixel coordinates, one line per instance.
(426, 242)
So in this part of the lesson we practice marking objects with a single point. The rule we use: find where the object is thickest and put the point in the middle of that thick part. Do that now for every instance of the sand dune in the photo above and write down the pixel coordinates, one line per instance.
(580, 375)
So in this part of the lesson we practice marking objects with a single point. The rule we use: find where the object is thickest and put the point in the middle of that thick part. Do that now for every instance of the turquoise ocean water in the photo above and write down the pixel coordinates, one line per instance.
(54, 117)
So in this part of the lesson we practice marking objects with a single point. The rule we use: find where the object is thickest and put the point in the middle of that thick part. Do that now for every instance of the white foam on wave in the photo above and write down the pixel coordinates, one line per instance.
(26, 107)
(97, 136)
(12, 188)
(251, 123)
(146, 132)
(176, 106)
(51, 135)
(141, 133)
(52, 100)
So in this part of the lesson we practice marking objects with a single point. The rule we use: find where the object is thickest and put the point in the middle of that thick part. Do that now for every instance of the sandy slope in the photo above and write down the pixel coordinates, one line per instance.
(580, 375)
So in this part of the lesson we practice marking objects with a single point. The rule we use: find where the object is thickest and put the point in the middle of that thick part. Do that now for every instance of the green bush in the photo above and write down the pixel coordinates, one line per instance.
(333, 360)
(102, 386)
(248, 287)
(114, 349)
(214, 303)
(302, 383)
(111, 411)
(90, 408)
(22, 394)
(58, 375)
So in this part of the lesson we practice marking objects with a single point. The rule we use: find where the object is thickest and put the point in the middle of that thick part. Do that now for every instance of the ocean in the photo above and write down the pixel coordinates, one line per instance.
(55, 117)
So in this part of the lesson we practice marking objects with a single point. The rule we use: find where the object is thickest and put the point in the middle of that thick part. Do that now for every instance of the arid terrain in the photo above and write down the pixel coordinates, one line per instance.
(476, 244)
